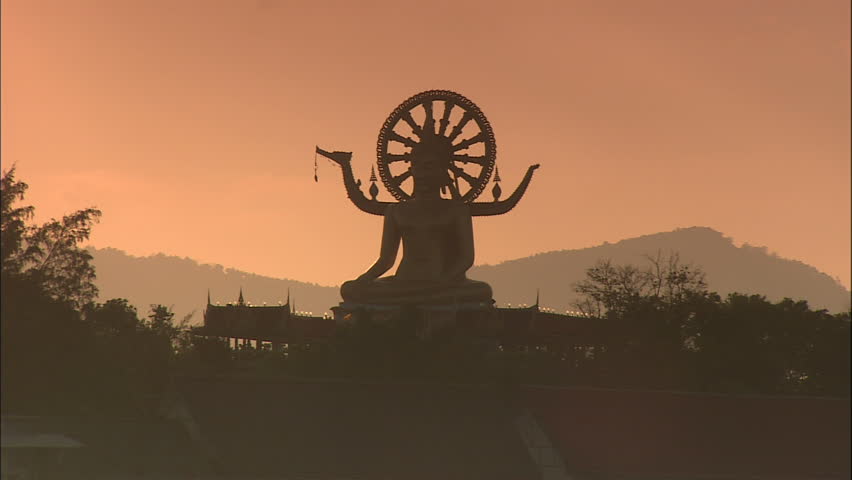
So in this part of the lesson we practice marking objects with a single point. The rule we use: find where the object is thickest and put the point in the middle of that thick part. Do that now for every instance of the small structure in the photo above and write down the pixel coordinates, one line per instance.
(241, 323)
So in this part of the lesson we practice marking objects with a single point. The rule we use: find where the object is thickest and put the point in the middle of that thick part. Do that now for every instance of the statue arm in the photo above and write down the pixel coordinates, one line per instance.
(482, 209)
(465, 255)
(390, 247)
(353, 190)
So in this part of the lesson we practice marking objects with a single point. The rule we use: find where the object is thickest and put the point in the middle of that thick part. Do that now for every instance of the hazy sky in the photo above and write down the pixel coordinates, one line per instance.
(192, 124)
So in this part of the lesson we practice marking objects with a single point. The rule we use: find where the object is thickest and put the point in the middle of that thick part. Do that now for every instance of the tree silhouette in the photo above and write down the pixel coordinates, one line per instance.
(48, 253)
(13, 222)
(61, 352)
(659, 327)
(613, 289)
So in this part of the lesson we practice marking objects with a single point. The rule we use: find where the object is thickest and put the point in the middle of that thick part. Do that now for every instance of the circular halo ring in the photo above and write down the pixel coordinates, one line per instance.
(439, 128)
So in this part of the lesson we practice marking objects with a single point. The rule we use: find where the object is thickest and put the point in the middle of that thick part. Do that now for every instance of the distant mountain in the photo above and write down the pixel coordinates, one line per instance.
(729, 268)
(183, 282)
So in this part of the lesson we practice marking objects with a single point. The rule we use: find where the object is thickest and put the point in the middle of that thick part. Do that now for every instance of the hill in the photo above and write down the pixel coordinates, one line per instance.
(744, 269)
(182, 282)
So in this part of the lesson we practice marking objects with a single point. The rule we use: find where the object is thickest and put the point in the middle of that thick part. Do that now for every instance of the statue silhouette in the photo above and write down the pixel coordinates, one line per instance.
(436, 233)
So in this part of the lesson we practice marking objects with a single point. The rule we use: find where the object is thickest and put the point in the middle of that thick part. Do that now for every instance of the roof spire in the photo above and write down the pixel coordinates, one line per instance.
(536, 297)
(241, 301)
(208, 296)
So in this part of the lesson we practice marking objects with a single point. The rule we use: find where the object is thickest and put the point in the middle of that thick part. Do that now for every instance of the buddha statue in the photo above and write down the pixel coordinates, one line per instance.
(437, 239)
(436, 233)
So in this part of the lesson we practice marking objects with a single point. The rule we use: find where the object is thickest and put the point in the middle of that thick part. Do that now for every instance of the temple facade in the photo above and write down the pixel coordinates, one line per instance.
(241, 323)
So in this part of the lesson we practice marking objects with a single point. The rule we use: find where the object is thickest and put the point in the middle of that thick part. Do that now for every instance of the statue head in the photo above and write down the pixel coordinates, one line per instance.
(431, 160)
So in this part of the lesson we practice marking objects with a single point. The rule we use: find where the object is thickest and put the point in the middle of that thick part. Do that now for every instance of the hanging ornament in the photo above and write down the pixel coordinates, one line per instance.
(316, 176)
(496, 190)
(374, 190)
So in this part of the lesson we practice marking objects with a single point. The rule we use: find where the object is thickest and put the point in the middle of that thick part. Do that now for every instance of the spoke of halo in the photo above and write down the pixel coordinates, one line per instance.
(411, 123)
(479, 137)
(404, 140)
(461, 173)
(458, 187)
(468, 159)
(394, 157)
(457, 130)
(445, 119)
(397, 180)
(429, 123)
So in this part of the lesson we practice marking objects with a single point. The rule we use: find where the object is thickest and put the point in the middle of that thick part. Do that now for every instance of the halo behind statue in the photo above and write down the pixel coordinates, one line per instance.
(468, 148)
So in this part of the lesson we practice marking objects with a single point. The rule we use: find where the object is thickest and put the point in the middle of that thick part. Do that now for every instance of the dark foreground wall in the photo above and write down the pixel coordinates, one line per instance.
(109, 448)
(658, 434)
(228, 428)
(331, 429)
(334, 430)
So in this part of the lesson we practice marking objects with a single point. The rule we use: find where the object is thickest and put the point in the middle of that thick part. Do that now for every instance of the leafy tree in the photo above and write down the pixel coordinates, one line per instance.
(114, 318)
(49, 253)
(614, 289)
(13, 222)
(55, 258)
(138, 354)
(748, 344)
(46, 348)
(161, 320)
(659, 327)
(62, 353)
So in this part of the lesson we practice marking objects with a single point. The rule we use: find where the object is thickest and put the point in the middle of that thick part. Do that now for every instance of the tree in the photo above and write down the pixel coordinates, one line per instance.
(61, 351)
(55, 259)
(48, 254)
(114, 318)
(660, 327)
(13, 222)
(614, 289)
(643, 336)
(162, 321)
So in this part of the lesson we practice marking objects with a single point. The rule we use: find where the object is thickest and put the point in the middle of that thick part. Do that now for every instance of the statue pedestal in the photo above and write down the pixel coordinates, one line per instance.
(477, 317)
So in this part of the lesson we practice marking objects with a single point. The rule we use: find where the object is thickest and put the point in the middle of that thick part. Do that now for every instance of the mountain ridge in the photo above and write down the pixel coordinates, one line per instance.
(744, 269)
(181, 282)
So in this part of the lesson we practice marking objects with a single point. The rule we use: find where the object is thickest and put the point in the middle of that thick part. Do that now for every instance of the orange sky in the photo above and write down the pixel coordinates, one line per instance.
(192, 124)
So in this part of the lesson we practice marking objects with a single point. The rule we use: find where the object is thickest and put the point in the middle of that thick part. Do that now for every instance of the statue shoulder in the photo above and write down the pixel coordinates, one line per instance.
(455, 207)
(390, 210)
(461, 208)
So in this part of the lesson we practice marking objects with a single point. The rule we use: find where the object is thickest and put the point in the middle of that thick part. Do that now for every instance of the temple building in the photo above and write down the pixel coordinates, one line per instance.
(242, 323)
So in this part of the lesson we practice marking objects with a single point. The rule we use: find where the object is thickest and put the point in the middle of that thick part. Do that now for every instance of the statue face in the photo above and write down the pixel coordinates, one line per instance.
(431, 161)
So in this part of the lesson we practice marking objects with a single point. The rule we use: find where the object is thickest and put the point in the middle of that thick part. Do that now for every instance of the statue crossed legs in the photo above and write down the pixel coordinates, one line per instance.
(437, 240)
